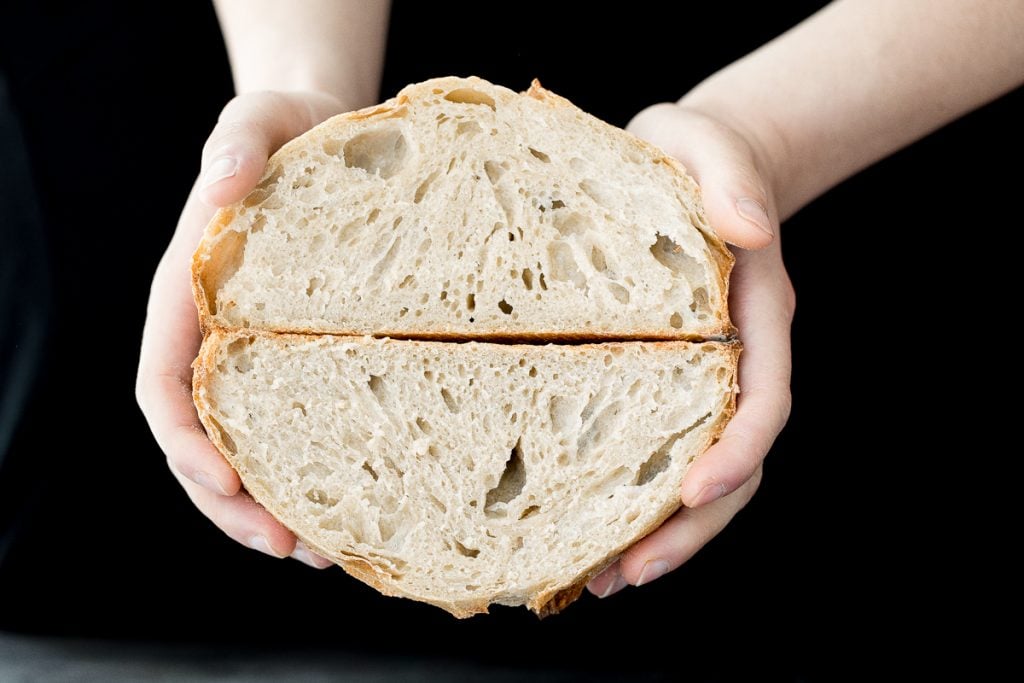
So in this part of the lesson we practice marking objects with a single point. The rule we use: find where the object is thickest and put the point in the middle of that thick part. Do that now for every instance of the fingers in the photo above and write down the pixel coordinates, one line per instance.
(247, 522)
(170, 341)
(250, 129)
(762, 305)
(241, 518)
(308, 557)
(736, 199)
(674, 543)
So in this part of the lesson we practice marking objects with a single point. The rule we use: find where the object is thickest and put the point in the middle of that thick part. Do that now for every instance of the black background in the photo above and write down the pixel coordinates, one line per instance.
(115, 101)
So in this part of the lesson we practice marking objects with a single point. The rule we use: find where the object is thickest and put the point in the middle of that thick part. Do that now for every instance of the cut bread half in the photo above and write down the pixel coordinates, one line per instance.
(463, 210)
(464, 474)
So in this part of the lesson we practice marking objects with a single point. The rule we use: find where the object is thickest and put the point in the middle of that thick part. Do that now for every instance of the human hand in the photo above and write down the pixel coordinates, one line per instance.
(740, 204)
(249, 130)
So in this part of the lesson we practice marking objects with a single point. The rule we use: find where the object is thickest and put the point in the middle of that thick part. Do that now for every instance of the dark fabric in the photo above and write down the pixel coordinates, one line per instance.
(114, 101)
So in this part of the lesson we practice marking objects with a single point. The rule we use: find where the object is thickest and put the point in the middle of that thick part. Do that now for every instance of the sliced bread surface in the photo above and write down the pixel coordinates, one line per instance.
(464, 474)
(463, 210)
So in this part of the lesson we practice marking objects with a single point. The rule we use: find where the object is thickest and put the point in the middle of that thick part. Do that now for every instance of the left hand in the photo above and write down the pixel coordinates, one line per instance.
(740, 205)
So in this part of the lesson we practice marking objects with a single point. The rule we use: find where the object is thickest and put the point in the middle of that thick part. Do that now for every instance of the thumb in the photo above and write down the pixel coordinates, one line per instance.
(736, 198)
(251, 128)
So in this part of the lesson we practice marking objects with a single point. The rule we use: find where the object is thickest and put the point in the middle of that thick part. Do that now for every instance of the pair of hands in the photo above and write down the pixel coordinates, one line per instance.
(739, 204)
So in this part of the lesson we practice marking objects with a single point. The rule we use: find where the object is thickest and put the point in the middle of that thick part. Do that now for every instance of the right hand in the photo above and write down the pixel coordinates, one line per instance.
(251, 128)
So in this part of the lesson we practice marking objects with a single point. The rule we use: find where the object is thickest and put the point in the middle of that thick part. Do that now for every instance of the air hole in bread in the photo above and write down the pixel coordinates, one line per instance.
(597, 259)
(386, 529)
(700, 300)
(605, 424)
(615, 478)
(657, 463)
(620, 293)
(271, 179)
(529, 512)
(562, 412)
(471, 302)
(320, 497)
(573, 223)
(369, 470)
(376, 384)
(671, 255)
(505, 307)
(314, 284)
(537, 154)
(469, 128)
(494, 171)
(466, 551)
(421, 191)
(378, 152)
(470, 96)
(596, 191)
(229, 443)
(449, 401)
(676, 321)
(510, 485)
(527, 276)
(563, 267)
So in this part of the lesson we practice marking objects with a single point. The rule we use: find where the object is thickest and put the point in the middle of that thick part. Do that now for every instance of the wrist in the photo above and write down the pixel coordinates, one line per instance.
(308, 78)
(760, 135)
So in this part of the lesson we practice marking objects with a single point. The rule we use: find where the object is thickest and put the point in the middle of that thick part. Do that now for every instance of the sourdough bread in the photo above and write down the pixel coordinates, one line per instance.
(464, 474)
(461, 209)
(440, 464)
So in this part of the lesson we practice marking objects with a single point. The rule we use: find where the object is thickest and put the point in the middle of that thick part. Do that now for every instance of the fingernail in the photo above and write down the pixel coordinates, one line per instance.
(219, 169)
(614, 587)
(314, 561)
(753, 211)
(208, 482)
(709, 493)
(261, 544)
(653, 569)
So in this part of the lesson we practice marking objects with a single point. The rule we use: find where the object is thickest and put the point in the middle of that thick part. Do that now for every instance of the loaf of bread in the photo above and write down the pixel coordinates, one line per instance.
(461, 209)
(466, 343)
(464, 474)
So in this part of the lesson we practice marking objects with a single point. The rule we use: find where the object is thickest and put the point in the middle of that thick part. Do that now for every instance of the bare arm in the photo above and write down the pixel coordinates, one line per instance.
(764, 136)
(861, 79)
(331, 46)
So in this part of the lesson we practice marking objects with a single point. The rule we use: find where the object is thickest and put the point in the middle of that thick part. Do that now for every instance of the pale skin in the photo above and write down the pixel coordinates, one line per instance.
(764, 136)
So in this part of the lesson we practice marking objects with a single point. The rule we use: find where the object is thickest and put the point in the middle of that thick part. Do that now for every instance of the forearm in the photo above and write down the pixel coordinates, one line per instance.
(333, 46)
(861, 79)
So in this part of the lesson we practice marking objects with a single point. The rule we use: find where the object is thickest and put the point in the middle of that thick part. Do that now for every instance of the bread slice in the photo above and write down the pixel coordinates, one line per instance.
(464, 474)
(463, 210)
